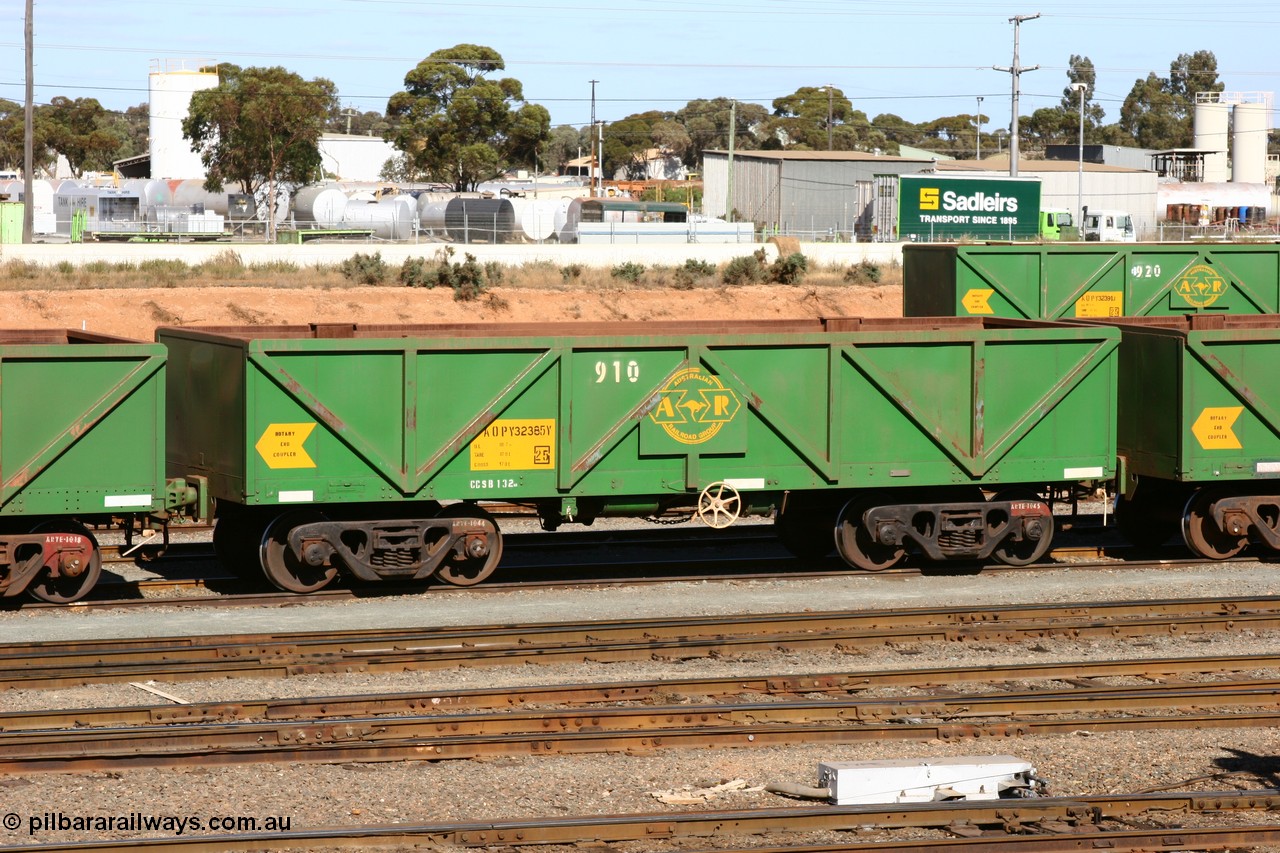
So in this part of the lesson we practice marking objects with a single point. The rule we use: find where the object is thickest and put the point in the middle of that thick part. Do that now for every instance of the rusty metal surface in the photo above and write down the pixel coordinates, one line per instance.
(1062, 824)
(636, 691)
(641, 728)
(45, 665)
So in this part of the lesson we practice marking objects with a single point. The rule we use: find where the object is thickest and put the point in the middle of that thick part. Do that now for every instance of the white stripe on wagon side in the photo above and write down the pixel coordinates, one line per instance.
(1081, 473)
(120, 501)
(1267, 468)
(746, 483)
(299, 497)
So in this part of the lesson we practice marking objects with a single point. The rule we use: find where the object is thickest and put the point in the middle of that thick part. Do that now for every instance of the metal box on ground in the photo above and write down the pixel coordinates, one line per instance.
(1049, 281)
(907, 780)
(582, 420)
(81, 437)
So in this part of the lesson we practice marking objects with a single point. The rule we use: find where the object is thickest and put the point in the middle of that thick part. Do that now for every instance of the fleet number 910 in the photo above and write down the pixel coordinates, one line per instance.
(494, 484)
(605, 368)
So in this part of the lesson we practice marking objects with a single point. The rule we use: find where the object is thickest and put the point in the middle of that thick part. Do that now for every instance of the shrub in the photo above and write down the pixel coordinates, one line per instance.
(364, 269)
(416, 272)
(629, 271)
(468, 279)
(745, 270)
(493, 272)
(788, 270)
(570, 272)
(863, 272)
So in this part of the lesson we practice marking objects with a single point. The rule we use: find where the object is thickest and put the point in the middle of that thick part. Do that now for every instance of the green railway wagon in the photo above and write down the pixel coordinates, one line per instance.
(372, 449)
(1090, 280)
(81, 442)
(1199, 431)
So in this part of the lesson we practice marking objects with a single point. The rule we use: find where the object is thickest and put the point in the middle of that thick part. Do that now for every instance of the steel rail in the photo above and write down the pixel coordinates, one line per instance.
(634, 728)
(478, 699)
(1074, 824)
(53, 664)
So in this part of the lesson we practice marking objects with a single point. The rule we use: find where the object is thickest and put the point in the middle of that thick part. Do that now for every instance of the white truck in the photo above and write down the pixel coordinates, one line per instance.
(1108, 226)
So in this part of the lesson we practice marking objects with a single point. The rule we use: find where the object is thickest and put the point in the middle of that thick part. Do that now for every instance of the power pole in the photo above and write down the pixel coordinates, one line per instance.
(1015, 71)
(831, 94)
(733, 131)
(977, 150)
(28, 133)
(592, 176)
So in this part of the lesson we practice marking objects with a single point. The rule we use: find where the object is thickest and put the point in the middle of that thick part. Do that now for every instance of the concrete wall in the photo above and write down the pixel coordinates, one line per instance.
(330, 254)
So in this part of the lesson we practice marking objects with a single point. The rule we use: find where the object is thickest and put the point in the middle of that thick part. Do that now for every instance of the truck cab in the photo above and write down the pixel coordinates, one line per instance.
(1057, 224)
(1109, 226)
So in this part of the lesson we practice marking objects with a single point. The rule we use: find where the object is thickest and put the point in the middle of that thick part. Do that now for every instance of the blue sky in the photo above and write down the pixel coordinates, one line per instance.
(918, 60)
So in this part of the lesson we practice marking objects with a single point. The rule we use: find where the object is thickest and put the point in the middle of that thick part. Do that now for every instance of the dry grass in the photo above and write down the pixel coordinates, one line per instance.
(228, 270)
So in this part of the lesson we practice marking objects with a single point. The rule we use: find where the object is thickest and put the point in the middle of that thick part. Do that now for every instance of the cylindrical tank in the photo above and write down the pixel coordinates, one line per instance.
(404, 215)
(537, 217)
(481, 220)
(41, 194)
(1210, 127)
(171, 85)
(1249, 143)
(260, 199)
(323, 204)
(153, 193)
(379, 218)
(191, 192)
(431, 215)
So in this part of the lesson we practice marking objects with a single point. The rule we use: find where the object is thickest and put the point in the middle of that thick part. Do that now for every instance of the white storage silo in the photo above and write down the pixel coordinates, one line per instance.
(1249, 142)
(1210, 123)
(172, 83)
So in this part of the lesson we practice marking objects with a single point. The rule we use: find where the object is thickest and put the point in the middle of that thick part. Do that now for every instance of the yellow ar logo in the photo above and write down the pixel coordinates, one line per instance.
(929, 198)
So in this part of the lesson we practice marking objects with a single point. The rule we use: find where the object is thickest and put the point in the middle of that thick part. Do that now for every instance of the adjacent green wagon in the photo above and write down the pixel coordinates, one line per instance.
(1199, 431)
(372, 449)
(81, 443)
(1090, 280)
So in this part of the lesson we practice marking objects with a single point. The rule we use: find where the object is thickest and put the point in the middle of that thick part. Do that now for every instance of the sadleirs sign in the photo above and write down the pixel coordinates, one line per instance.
(945, 208)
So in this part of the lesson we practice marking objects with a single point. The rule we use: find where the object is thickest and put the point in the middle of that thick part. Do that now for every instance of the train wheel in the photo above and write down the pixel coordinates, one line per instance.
(1203, 536)
(471, 569)
(1023, 552)
(282, 568)
(65, 588)
(854, 541)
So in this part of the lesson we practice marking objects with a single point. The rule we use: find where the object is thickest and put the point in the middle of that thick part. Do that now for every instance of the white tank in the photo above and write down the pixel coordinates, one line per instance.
(1249, 143)
(1210, 127)
(323, 204)
(431, 214)
(537, 217)
(171, 85)
(260, 200)
(41, 193)
(380, 218)
(191, 192)
(405, 208)
(153, 193)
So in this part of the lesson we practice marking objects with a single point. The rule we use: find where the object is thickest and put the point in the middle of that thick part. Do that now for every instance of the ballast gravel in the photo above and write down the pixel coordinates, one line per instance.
(1079, 763)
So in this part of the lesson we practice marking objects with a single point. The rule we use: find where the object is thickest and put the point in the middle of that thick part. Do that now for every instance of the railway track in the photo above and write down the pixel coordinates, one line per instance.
(644, 728)
(31, 665)
(1047, 825)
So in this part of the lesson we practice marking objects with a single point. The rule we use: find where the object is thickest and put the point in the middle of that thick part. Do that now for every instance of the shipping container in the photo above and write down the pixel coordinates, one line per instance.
(1090, 280)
